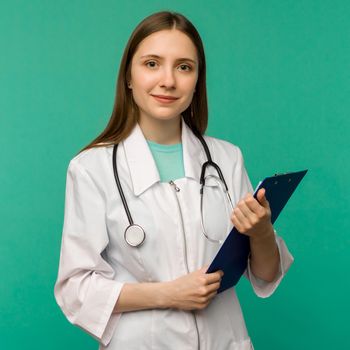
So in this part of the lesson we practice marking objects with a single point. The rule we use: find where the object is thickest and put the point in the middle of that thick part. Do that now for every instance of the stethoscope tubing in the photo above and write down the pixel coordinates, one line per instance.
(137, 233)
(117, 180)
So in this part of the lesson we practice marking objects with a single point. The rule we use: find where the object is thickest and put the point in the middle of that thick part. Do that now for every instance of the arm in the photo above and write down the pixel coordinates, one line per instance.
(190, 292)
(263, 255)
(253, 218)
(86, 289)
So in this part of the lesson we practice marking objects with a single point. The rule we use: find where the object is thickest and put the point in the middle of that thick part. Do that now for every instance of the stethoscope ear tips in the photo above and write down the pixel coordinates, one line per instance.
(134, 235)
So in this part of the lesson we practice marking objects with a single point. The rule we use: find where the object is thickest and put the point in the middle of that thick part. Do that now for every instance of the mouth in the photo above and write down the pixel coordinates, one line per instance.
(165, 99)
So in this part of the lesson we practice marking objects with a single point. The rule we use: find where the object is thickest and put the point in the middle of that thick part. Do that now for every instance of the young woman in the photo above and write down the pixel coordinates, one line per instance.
(136, 238)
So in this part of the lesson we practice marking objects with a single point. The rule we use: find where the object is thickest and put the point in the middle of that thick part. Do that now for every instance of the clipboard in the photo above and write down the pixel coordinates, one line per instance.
(232, 258)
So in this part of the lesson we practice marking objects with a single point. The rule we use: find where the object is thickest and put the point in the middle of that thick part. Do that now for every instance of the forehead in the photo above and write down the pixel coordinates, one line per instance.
(167, 43)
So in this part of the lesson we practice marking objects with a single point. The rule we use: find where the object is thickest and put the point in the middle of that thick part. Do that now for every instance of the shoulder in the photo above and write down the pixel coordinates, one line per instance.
(92, 162)
(224, 150)
(229, 158)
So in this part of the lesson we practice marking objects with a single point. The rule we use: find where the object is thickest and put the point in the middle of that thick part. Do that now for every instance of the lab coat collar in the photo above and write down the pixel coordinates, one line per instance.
(142, 167)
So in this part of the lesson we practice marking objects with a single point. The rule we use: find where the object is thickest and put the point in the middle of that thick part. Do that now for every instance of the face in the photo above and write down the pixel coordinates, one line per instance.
(164, 72)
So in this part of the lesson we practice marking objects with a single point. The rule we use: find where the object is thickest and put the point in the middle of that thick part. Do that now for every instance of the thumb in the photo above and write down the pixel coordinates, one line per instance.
(262, 198)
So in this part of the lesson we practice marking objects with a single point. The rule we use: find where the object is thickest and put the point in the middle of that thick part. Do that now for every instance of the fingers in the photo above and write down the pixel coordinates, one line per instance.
(197, 289)
(205, 296)
(210, 283)
(245, 209)
(212, 289)
(244, 217)
(249, 211)
(262, 198)
(213, 277)
(237, 223)
(256, 206)
(203, 302)
(204, 291)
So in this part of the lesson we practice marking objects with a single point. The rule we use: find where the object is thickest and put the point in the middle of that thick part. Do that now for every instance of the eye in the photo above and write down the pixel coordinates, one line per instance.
(185, 67)
(151, 64)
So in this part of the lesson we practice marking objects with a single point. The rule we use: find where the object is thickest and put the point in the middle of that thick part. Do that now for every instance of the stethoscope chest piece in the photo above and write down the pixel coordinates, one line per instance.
(134, 235)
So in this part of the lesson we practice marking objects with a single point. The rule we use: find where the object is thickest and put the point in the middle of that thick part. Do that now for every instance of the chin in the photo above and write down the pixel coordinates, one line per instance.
(166, 117)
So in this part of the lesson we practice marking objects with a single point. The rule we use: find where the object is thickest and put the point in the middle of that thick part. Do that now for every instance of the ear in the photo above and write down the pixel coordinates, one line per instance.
(129, 85)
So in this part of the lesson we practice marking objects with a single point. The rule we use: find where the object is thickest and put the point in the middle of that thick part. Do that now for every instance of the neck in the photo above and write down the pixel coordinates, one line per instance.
(166, 132)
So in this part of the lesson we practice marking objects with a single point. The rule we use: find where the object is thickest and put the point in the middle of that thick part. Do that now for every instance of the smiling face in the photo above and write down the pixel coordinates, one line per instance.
(164, 72)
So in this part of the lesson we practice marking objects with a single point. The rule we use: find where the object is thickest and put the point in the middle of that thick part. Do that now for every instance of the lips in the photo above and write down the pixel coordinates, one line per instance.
(165, 98)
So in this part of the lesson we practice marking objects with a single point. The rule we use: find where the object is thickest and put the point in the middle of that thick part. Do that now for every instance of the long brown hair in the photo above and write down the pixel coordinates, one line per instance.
(125, 112)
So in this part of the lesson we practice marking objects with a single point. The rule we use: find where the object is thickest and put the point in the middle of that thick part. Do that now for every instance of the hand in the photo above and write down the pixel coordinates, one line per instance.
(195, 290)
(253, 217)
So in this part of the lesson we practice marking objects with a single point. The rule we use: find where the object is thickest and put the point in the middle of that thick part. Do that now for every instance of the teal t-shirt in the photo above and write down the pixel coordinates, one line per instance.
(169, 160)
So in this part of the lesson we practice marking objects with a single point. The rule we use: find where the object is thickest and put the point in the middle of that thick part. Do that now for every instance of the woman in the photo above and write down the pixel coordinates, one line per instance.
(148, 289)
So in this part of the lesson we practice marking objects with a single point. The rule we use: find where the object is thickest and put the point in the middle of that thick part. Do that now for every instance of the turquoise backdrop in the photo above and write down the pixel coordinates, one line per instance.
(279, 87)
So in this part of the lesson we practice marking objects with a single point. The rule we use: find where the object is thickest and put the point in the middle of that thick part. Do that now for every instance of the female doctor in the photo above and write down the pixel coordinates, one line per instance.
(137, 238)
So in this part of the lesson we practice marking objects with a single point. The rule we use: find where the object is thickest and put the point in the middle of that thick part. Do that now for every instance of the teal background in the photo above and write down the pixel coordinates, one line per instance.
(278, 83)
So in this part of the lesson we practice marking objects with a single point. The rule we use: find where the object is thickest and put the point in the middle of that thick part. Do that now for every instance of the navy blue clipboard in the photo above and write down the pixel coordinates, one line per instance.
(232, 257)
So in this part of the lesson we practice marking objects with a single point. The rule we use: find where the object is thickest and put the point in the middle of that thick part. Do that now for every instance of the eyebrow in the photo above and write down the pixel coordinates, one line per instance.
(177, 60)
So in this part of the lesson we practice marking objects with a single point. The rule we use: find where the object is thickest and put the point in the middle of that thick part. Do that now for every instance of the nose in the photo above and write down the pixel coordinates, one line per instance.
(167, 79)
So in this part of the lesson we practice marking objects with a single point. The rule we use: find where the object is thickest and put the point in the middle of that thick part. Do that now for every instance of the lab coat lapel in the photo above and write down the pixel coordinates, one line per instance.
(193, 153)
(142, 167)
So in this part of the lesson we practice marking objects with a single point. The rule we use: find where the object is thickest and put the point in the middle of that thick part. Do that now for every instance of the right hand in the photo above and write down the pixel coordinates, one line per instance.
(195, 290)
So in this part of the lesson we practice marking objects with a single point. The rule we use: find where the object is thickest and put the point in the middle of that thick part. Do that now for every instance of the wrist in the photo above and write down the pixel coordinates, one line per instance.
(165, 299)
(264, 236)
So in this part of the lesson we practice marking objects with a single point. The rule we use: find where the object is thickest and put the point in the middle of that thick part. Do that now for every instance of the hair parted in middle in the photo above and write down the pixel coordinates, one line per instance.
(125, 112)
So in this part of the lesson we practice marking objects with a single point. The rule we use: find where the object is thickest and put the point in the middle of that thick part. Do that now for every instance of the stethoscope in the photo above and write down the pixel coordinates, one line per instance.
(134, 234)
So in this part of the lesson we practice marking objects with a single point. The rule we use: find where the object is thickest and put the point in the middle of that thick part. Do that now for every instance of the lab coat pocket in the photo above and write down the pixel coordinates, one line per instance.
(173, 330)
(128, 258)
(215, 210)
(133, 331)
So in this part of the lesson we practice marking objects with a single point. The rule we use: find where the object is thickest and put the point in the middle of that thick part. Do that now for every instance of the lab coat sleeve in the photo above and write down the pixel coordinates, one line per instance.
(262, 288)
(85, 288)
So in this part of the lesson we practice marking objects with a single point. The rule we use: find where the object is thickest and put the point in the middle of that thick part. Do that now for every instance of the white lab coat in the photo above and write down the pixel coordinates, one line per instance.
(95, 260)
